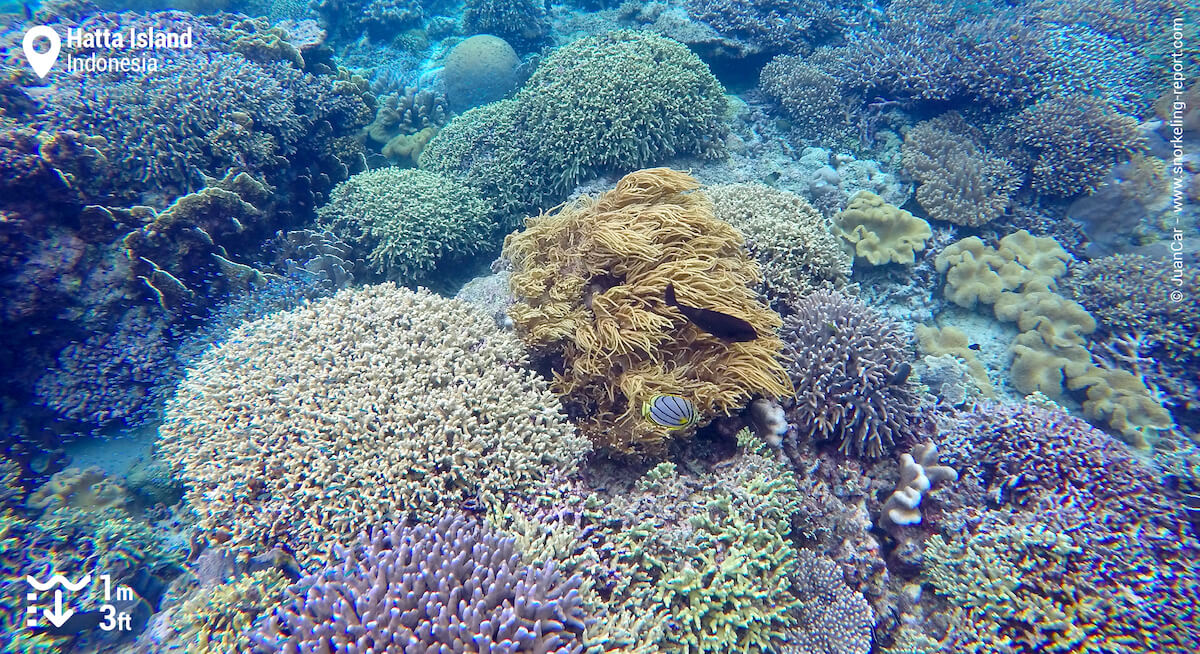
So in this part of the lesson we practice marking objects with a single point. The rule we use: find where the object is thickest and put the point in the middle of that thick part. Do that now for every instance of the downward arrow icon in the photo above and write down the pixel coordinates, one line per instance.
(58, 617)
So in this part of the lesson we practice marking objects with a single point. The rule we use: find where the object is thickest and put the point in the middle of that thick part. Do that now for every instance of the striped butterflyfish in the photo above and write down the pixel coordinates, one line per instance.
(670, 411)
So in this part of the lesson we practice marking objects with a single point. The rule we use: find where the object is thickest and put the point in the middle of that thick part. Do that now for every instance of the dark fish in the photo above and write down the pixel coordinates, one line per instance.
(901, 375)
(28, 11)
(973, 346)
(722, 325)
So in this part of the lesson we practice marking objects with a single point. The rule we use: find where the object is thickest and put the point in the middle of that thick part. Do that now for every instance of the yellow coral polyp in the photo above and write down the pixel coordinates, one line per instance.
(590, 281)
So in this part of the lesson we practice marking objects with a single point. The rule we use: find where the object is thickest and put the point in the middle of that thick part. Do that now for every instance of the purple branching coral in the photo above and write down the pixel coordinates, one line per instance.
(1136, 555)
(121, 375)
(775, 25)
(451, 586)
(1075, 141)
(997, 62)
(849, 365)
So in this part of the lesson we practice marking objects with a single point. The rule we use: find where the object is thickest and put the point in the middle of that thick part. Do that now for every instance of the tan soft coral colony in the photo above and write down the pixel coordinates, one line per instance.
(590, 281)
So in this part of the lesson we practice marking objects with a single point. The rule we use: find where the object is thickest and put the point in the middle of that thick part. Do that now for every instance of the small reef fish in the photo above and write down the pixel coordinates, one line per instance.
(722, 325)
(974, 346)
(670, 411)
(901, 374)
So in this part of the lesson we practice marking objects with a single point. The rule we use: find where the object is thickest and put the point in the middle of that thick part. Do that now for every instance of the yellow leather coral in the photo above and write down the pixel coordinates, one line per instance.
(881, 233)
(589, 282)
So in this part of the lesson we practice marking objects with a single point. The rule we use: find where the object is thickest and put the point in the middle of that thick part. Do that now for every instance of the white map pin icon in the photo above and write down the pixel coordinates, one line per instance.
(41, 62)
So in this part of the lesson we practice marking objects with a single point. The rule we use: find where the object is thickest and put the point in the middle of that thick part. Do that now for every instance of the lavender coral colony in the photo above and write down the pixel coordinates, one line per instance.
(689, 326)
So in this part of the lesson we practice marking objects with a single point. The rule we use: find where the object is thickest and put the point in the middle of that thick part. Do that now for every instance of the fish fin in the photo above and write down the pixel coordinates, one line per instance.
(670, 293)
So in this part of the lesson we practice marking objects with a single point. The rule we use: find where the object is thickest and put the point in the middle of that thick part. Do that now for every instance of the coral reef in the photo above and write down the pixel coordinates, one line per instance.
(120, 375)
(589, 282)
(559, 129)
(397, 402)
(788, 238)
(450, 586)
(919, 471)
(960, 180)
(881, 233)
(850, 368)
(408, 222)
(1075, 141)
(1101, 555)
(523, 23)
(229, 109)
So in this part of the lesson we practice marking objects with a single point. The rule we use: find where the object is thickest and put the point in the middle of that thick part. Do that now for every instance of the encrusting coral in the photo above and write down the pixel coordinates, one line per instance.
(590, 281)
(307, 426)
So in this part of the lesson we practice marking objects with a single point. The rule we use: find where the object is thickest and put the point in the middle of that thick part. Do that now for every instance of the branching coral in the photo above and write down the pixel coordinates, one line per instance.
(1131, 570)
(919, 471)
(772, 25)
(961, 181)
(452, 586)
(590, 281)
(1075, 140)
(786, 236)
(832, 618)
(809, 95)
(410, 221)
(560, 128)
(523, 23)
(850, 367)
(397, 402)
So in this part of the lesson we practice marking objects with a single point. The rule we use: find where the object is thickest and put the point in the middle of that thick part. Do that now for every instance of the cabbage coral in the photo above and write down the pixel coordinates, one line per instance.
(590, 281)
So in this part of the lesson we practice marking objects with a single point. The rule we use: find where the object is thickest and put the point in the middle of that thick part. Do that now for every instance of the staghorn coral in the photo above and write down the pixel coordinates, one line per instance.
(997, 60)
(960, 180)
(774, 25)
(223, 109)
(218, 620)
(408, 221)
(559, 129)
(849, 365)
(398, 402)
(1075, 141)
(786, 236)
(451, 586)
(881, 233)
(809, 95)
(589, 283)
